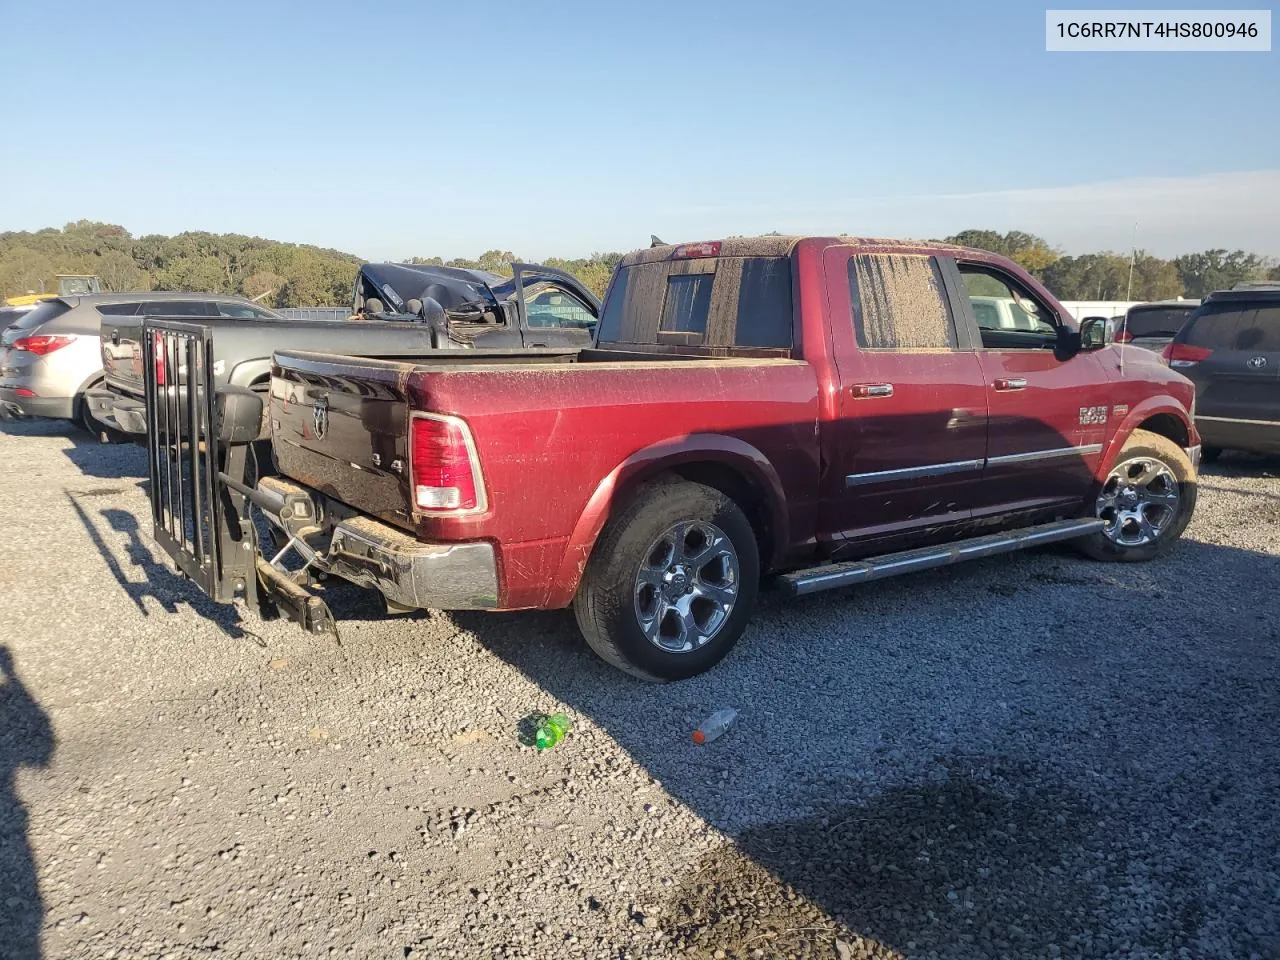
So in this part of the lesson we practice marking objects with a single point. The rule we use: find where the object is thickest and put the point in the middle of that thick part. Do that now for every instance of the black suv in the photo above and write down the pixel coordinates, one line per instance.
(1230, 348)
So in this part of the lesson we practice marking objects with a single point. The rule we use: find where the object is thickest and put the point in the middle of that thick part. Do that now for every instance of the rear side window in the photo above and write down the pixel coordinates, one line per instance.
(1156, 321)
(118, 309)
(899, 303)
(1236, 326)
(707, 302)
(179, 308)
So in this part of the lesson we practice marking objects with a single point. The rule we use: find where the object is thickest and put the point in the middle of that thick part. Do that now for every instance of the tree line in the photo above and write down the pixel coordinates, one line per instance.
(298, 275)
(1136, 275)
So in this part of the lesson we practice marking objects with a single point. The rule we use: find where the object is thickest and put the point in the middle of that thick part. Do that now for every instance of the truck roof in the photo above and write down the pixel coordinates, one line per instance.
(776, 245)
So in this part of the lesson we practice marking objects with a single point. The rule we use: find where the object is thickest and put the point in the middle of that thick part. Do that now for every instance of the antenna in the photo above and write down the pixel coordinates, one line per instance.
(1133, 255)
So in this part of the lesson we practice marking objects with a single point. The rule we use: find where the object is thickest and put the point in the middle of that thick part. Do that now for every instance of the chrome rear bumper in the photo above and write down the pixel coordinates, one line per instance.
(408, 572)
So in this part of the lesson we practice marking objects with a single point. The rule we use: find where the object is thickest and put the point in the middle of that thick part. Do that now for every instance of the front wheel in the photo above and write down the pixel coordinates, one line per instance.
(1146, 501)
(671, 582)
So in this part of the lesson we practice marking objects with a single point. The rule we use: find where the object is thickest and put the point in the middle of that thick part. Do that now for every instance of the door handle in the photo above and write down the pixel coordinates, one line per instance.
(1011, 383)
(868, 391)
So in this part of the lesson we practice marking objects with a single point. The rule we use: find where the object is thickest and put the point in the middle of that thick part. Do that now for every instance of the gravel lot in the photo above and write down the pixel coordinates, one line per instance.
(1035, 756)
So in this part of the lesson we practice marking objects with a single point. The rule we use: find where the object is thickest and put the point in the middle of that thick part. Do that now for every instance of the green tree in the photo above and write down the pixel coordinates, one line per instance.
(1092, 276)
(1203, 273)
(1030, 252)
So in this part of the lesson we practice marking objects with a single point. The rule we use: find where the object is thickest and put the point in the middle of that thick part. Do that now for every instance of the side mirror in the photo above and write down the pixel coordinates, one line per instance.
(1095, 333)
(239, 414)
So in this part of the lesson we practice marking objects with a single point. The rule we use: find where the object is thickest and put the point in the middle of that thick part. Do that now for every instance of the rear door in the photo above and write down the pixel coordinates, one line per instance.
(907, 451)
(1048, 416)
(1231, 350)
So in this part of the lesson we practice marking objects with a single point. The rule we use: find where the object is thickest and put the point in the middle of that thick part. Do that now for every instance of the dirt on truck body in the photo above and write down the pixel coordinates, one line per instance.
(823, 411)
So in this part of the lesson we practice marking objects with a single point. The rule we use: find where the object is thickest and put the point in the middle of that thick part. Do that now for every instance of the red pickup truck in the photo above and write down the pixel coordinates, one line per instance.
(820, 410)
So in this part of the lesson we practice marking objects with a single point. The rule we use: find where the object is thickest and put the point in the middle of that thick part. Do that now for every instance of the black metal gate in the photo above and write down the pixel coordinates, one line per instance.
(188, 504)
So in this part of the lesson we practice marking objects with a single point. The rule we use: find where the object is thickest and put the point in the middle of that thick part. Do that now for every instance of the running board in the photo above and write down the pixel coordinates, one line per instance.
(833, 575)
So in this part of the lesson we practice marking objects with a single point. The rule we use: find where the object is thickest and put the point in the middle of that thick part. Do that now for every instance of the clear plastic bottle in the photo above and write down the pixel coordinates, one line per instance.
(551, 730)
(715, 725)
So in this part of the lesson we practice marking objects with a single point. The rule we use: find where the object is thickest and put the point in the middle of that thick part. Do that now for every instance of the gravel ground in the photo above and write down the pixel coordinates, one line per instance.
(1035, 756)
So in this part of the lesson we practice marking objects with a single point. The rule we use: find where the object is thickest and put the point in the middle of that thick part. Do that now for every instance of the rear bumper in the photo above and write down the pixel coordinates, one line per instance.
(1260, 436)
(62, 408)
(116, 410)
(408, 572)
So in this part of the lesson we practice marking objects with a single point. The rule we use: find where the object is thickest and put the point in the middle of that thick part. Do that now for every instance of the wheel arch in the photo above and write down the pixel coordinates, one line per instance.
(1162, 415)
(729, 464)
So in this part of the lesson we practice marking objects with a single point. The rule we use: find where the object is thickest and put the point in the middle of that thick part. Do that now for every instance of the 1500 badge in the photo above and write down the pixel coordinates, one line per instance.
(1093, 415)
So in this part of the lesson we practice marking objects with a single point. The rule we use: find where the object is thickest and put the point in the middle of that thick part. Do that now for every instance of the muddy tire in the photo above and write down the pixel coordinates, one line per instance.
(671, 583)
(1146, 500)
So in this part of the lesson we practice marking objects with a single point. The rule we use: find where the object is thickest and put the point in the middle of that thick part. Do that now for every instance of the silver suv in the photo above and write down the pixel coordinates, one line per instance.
(52, 353)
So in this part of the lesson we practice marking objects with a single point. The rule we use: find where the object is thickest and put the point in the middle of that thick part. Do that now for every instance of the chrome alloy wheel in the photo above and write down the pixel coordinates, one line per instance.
(1138, 502)
(686, 586)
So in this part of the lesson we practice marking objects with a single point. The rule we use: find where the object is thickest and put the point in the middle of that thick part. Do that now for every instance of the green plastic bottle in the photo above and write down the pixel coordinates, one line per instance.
(551, 730)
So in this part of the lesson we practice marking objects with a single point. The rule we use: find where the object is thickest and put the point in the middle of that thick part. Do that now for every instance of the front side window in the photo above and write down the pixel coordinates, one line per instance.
(243, 311)
(899, 303)
(550, 306)
(1008, 315)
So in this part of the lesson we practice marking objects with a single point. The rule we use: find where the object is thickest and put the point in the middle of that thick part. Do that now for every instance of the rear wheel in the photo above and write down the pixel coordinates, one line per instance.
(671, 583)
(1145, 502)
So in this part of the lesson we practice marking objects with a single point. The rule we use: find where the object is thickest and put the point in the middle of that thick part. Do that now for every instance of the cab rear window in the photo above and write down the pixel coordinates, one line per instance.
(1236, 326)
(704, 302)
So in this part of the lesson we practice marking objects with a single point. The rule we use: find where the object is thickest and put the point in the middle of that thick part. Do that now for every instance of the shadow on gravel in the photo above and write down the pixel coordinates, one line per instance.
(158, 581)
(26, 740)
(107, 461)
(883, 800)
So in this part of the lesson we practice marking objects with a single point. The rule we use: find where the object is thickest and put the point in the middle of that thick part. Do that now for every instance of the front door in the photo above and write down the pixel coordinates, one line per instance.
(906, 454)
(1048, 418)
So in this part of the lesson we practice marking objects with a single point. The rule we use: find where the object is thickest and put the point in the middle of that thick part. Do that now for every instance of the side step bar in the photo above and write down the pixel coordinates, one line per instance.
(833, 575)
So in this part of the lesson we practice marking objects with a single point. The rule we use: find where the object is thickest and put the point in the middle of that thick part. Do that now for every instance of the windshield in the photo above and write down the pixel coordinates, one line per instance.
(1157, 321)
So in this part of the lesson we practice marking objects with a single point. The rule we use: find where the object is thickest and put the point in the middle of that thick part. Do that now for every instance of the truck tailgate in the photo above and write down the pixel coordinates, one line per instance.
(122, 352)
(340, 424)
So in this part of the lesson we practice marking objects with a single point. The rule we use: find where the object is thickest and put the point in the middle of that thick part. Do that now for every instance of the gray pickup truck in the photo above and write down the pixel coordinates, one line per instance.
(396, 308)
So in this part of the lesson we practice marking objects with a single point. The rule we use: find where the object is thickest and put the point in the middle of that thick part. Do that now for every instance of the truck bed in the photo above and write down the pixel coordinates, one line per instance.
(548, 430)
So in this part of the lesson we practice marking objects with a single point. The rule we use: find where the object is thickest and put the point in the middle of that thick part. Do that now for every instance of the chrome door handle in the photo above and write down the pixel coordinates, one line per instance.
(1011, 383)
(867, 391)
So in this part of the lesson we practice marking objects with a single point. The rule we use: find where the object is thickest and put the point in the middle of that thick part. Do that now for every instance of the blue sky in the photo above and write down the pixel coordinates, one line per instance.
(400, 129)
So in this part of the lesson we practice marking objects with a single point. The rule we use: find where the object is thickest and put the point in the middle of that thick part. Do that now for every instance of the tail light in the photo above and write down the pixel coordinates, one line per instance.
(691, 251)
(1183, 355)
(446, 471)
(157, 349)
(25, 392)
(42, 346)
(1123, 336)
